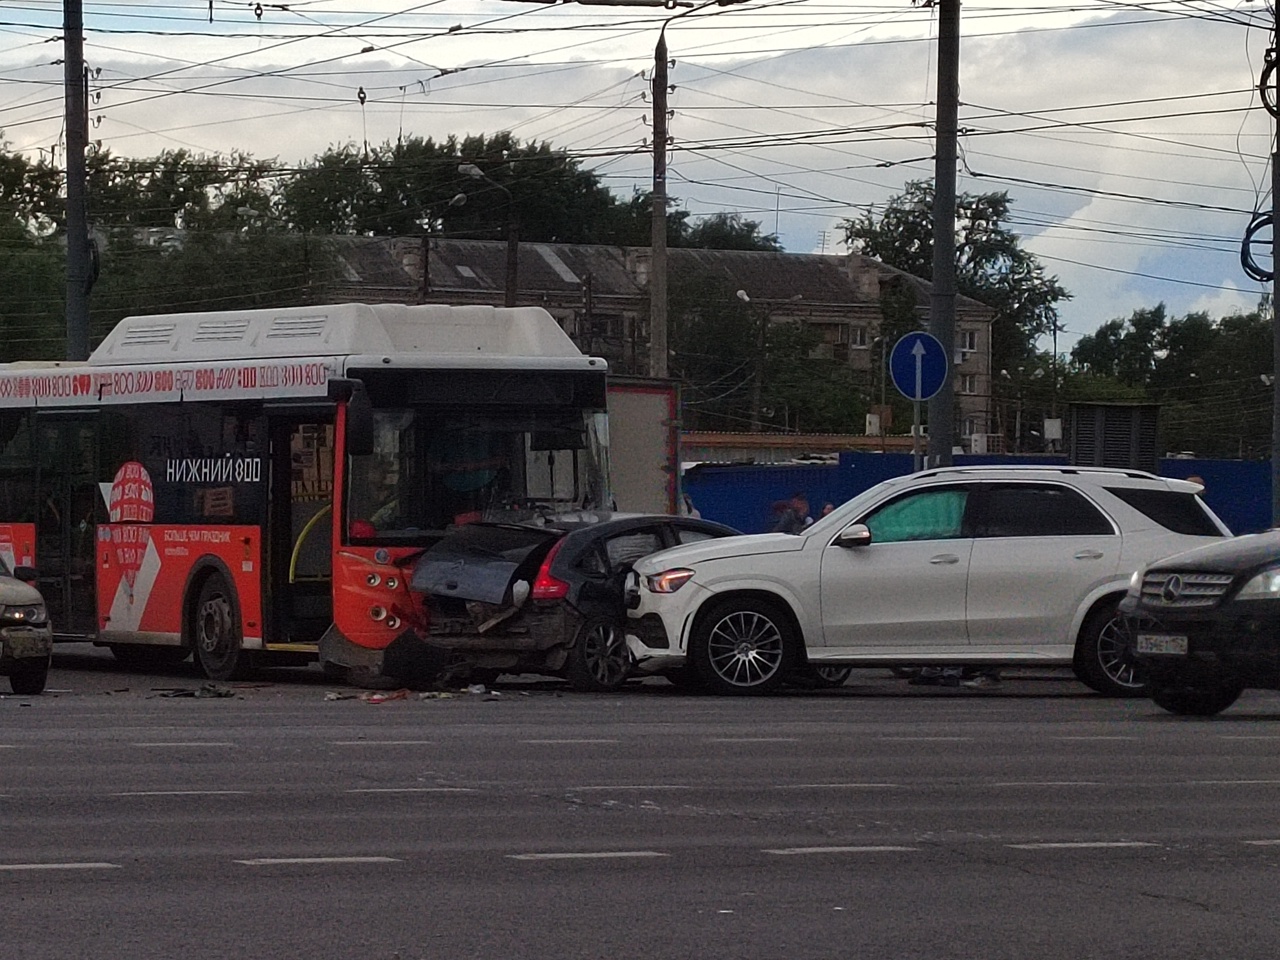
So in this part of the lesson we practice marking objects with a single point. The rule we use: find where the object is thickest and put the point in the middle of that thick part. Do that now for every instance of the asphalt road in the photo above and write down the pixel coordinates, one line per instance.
(876, 821)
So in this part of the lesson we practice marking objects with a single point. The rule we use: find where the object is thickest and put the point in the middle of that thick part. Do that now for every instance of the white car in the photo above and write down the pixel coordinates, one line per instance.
(970, 566)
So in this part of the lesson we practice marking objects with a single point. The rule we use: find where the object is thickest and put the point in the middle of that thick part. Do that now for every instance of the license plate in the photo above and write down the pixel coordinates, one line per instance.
(1171, 644)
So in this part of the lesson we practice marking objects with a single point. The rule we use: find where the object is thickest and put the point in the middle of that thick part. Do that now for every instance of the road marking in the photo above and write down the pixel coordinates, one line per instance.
(927, 739)
(1082, 845)
(182, 793)
(1228, 783)
(276, 861)
(599, 855)
(1263, 843)
(568, 741)
(8, 746)
(1047, 783)
(1226, 736)
(59, 866)
(411, 790)
(1100, 737)
(631, 786)
(187, 743)
(800, 851)
(381, 743)
(830, 786)
(753, 740)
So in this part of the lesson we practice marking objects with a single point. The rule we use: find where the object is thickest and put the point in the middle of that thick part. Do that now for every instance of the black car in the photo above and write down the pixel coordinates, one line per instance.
(543, 597)
(1205, 624)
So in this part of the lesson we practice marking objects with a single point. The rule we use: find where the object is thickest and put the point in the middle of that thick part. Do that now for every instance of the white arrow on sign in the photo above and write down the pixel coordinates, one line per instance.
(918, 351)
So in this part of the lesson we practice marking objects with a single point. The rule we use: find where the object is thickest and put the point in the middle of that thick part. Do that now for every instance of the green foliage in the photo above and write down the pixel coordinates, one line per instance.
(1209, 377)
(741, 369)
(991, 266)
(728, 231)
(32, 278)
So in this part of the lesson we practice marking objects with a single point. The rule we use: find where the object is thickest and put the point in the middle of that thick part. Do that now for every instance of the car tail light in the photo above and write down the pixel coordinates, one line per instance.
(545, 586)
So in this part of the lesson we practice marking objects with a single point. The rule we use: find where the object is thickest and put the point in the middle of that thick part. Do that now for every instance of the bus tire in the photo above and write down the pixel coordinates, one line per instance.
(217, 633)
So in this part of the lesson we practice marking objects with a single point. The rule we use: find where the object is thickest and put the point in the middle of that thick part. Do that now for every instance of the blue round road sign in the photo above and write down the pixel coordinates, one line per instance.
(918, 365)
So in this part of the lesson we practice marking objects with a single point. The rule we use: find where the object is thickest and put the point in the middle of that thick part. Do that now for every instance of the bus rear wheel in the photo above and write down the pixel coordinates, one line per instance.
(217, 630)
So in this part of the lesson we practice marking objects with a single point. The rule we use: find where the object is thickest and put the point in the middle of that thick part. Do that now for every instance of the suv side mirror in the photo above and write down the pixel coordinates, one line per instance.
(856, 535)
(26, 574)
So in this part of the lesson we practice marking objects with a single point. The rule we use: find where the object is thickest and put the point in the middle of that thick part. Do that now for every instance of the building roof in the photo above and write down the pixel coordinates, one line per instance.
(476, 269)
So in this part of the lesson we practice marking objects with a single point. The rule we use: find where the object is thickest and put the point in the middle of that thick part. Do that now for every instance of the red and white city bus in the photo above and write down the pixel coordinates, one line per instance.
(252, 486)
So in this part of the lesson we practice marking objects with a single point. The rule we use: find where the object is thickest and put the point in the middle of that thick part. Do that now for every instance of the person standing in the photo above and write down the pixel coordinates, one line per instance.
(796, 515)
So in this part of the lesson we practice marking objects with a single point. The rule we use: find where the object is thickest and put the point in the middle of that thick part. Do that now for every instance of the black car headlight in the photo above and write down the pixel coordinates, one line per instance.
(28, 613)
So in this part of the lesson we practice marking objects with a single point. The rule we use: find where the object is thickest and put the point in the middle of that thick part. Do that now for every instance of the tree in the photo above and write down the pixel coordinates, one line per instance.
(742, 369)
(728, 231)
(1211, 378)
(991, 266)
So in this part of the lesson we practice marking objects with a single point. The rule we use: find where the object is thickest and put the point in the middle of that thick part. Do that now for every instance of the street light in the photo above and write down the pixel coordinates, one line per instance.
(513, 235)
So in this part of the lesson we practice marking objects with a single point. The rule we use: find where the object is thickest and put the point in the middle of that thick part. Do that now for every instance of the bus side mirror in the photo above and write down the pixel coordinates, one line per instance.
(359, 439)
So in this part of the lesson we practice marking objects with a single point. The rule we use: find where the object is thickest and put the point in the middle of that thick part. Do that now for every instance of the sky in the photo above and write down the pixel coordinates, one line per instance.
(1130, 137)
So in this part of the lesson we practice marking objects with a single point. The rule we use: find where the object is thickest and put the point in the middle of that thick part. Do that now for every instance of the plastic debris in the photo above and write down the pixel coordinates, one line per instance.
(436, 695)
(335, 695)
(383, 697)
(477, 688)
(204, 691)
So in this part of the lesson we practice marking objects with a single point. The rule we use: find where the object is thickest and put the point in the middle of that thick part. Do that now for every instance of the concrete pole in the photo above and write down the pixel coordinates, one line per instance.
(77, 120)
(658, 240)
(942, 314)
(1275, 330)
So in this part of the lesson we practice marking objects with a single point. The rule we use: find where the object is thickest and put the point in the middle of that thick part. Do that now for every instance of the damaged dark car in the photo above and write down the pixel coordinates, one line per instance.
(545, 597)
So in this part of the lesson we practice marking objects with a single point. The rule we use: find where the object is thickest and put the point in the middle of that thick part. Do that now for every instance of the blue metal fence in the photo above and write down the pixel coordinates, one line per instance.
(744, 496)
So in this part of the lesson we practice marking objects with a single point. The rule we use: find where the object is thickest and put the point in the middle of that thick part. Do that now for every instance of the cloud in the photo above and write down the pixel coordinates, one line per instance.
(1131, 146)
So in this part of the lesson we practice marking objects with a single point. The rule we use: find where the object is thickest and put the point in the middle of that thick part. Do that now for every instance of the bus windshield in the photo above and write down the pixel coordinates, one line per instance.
(434, 468)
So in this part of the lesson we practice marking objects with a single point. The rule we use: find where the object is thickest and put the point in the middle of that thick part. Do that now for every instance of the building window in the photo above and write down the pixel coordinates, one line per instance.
(968, 427)
(968, 383)
(857, 336)
(967, 340)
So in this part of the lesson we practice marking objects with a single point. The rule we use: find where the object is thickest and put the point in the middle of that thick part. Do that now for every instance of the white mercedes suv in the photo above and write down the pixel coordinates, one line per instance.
(967, 566)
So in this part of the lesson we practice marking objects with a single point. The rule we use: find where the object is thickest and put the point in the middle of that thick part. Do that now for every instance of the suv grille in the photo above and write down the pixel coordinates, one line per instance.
(1181, 591)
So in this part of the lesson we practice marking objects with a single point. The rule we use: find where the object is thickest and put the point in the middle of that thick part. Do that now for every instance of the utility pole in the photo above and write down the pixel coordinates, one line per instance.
(75, 81)
(658, 239)
(1273, 108)
(942, 314)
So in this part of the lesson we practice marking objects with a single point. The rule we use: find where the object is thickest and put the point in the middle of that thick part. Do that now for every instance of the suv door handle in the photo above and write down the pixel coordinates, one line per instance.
(1090, 555)
(944, 558)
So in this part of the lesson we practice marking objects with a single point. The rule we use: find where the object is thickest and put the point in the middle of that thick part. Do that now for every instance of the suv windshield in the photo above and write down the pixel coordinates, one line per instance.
(431, 469)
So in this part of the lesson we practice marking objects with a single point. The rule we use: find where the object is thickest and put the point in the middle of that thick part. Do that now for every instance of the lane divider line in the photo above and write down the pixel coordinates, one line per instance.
(59, 866)
(279, 861)
(1082, 845)
(802, 851)
(597, 855)
(182, 793)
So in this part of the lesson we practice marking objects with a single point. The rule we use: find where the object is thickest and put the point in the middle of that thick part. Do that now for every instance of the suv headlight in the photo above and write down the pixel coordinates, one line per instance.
(32, 613)
(1265, 586)
(668, 581)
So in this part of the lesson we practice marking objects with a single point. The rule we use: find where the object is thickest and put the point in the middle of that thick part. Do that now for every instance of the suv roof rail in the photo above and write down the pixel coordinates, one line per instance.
(1069, 469)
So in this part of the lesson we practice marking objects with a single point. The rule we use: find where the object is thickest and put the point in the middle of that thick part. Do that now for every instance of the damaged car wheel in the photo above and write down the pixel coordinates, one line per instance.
(599, 661)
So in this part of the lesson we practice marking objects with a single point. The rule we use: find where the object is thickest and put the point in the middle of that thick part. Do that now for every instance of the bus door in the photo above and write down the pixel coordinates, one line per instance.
(300, 521)
(68, 513)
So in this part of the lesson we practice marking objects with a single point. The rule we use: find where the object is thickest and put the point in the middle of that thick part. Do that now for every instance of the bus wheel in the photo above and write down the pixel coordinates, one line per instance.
(217, 633)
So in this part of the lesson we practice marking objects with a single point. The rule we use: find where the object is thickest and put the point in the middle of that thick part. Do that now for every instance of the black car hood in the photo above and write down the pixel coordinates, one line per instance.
(480, 561)
(1227, 556)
